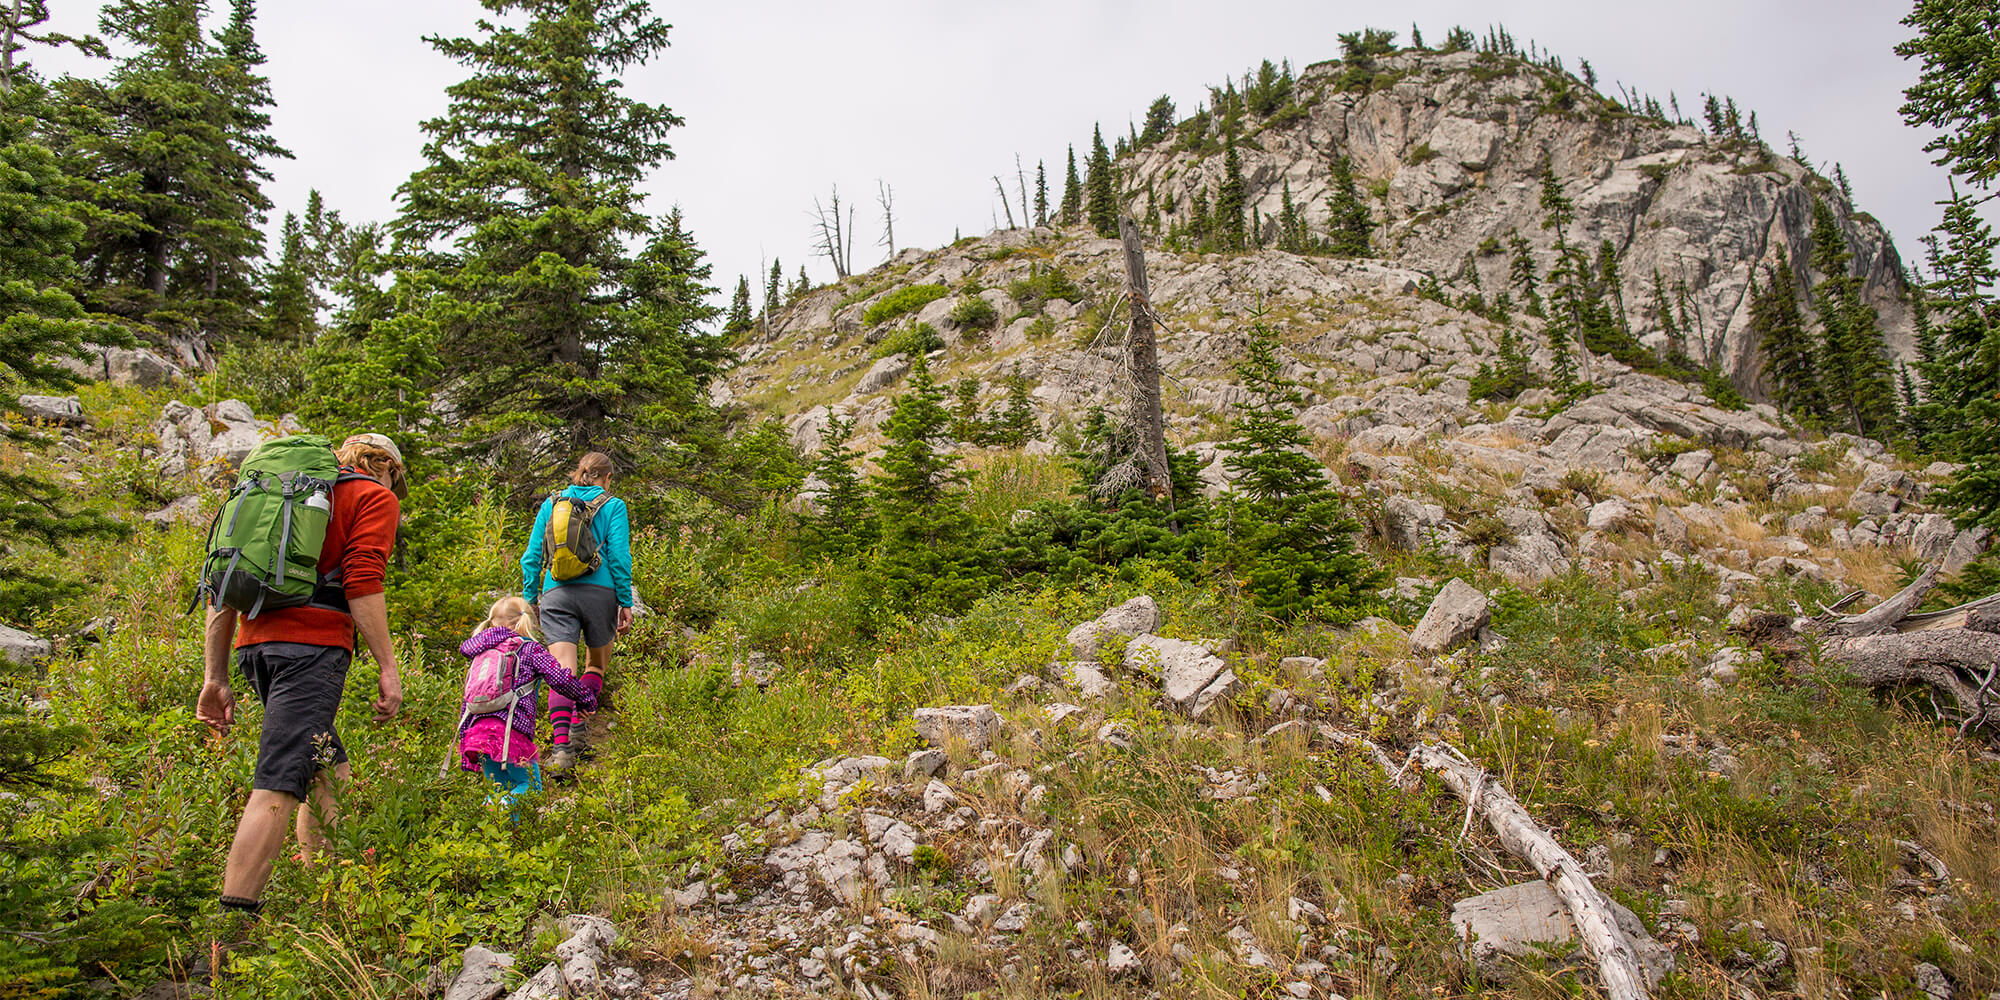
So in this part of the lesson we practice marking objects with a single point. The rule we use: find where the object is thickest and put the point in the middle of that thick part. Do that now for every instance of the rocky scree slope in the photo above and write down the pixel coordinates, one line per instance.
(1450, 150)
(1643, 470)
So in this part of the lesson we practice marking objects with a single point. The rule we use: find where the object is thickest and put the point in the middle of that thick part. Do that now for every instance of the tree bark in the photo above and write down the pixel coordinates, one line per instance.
(1956, 650)
(1596, 926)
(1148, 425)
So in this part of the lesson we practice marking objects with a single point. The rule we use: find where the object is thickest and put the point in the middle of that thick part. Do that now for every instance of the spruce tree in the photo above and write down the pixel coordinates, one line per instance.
(1791, 365)
(1101, 189)
(1857, 378)
(1959, 334)
(740, 320)
(930, 554)
(40, 324)
(1159, 121)
(1958, 49)
(1566, 280)
(169, 150)
(1290, 539)
(1016, 425)
(519, 226)
(965, 422)
(845, 523)
(774, 292)
(800, 286)
(1072, 196)
(291, 306)
(1041, 194)
(1231, 199)
(1348, 224)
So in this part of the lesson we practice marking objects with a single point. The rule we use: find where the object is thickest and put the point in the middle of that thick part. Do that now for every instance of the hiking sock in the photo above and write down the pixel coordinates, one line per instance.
(561, 711)
(595, 682)
(247, 907)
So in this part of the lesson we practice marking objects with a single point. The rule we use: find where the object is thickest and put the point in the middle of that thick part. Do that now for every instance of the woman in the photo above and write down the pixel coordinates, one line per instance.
(591, 607)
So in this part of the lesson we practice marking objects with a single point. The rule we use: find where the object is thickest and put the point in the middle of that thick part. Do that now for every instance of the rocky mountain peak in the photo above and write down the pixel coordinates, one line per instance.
(1449, 151)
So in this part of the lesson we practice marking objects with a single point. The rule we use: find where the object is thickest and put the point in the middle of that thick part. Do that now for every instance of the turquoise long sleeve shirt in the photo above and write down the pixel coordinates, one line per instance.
(614, 549)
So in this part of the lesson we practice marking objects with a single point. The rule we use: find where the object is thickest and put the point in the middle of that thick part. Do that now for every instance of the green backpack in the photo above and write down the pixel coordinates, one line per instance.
(264, 544)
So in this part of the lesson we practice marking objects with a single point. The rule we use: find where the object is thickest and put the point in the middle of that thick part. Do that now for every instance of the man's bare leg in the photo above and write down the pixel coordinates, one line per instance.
(319, 813)
(260, 835)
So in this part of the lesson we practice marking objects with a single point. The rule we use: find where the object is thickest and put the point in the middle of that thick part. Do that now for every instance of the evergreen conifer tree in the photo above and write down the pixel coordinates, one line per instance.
(774, 291)
(1958, 49)
(800, 286)
(1348, 223)
(169, 150)
(1790, 363)
(1041, 194)
(740, 320)
(1230, 200)
(40, 324)
(1857, 379)
(1072, 196)
(1290, 539)
(1159, 121)
(1017, 419)
(965, 423)
(1568, 301)
(290, 303)
(532, 191)
(1101, 189)
(930, 554)
(845, 523)
(1959, 335)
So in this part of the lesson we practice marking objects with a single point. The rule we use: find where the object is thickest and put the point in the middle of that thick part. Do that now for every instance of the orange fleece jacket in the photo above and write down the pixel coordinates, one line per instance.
(358, 539)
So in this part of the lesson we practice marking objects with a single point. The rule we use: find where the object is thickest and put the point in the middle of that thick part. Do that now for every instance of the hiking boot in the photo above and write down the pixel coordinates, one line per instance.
(561, 763)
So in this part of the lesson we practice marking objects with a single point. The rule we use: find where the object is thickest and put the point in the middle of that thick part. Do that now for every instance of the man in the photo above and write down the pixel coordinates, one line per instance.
(296, 660)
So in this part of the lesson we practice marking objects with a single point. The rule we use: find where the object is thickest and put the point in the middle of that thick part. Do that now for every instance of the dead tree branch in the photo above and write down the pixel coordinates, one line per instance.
(1596, 925)
(886, 195)
(834, 237)
(1956, 650)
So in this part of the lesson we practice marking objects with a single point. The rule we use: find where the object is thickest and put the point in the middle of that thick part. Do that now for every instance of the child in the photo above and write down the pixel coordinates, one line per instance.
(502, 695)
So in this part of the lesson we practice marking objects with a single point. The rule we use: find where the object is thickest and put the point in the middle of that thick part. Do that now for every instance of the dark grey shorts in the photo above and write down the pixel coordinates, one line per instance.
(300, 687)
(579, 609)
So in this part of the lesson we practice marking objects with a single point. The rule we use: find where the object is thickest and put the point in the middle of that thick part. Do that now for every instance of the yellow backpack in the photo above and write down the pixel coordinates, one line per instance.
(570, 540)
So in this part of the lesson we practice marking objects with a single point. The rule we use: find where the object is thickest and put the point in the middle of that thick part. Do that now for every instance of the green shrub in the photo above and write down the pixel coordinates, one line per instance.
(1043, 284)
(975, 313)
(1421, 155)
(903, 301)
(913, 339)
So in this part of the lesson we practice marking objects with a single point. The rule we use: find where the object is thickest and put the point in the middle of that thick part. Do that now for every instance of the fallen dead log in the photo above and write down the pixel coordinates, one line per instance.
(1597, 928)
(1956, 650)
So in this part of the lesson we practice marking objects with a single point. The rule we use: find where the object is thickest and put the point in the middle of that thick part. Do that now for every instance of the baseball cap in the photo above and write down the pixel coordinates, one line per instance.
(380, 441)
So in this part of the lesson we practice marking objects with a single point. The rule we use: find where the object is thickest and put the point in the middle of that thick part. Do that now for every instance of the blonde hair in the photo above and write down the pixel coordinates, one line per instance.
(514, 614)
(371, 459)
(590, 468)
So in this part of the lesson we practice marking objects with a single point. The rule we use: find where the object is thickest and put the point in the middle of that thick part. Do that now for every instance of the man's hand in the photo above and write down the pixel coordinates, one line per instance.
(390, 684)
(624, 620)
(216, 706)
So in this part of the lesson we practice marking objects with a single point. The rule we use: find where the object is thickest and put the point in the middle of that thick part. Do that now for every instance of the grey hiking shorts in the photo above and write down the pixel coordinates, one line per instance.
(575, 610)
(300, 686)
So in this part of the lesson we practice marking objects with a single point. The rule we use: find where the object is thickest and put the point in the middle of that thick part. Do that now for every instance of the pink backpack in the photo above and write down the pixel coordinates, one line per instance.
(490, 689)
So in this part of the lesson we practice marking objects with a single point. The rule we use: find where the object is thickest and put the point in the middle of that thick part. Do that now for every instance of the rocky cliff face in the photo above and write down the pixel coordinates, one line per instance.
(1450, 149)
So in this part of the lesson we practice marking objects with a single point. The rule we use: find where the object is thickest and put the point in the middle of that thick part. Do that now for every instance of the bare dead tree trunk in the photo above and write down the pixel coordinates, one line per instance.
(887, 196)
(1618, 966)
(1956, 651)
(1021, 182)
(834, 241)
(1147, 423)
(1002, 189)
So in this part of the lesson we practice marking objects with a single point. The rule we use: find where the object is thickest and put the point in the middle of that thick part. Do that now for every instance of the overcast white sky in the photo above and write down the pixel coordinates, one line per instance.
(785, 98)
